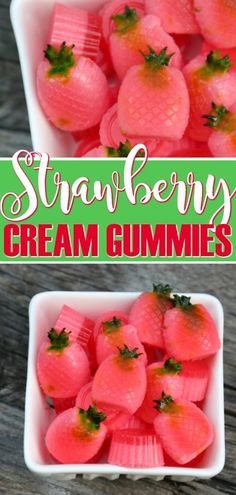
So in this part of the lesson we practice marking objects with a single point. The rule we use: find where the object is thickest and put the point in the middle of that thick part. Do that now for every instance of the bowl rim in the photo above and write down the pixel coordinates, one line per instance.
(108, 469)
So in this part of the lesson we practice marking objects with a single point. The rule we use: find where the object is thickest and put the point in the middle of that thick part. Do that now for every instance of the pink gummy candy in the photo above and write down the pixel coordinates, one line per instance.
(113, 337)
(207, 83)
(114, 419)
(81, 327)
(76, 100)
(127, 48)
(135, 449)
(76, 27)
(63, 371)
(73, 438)
(176, 16)
(115, 7)
(153, 100)
(217, 20)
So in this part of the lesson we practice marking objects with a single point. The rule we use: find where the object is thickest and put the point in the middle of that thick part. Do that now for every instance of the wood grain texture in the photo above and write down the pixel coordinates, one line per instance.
(14, 126)
(18, 284)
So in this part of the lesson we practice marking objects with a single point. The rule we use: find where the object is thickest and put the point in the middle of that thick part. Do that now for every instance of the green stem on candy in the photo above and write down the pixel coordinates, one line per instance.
(216, 117)
(111, 325)
(58, 340)
(182, 302)
(122, 151)
(125, 353)
(125, 21)
(92, 418)
(156, 61)
(163, 404)
(61, 60)
(162, 290)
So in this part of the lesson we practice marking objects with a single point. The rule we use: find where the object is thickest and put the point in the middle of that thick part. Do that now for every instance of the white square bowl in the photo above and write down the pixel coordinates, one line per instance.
(43, 311)
(30, 20)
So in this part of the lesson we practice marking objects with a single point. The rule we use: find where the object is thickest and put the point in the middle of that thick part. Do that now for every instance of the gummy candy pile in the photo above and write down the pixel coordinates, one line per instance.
(129, 388)
(157, 72)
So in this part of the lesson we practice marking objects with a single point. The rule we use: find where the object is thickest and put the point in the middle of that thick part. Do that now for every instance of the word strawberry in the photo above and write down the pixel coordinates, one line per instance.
(183, 429)
(132, 37)
(62, 365)
(73, 92)
(76, 435)
(153, 99)
(135, 448)
(147, 314)
(120, 381)
(222, 122)
(189, 331)
(208, 79)
(175, 17)
(217, 19)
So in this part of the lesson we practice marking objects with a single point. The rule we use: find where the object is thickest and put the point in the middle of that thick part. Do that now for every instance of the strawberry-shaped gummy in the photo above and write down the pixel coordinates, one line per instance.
(132, 37)
(121, 151)
(190, 332)
(78, 27)
(222, 122)
(113, 8)
(160, 376)
(217, 20)
(114, 419)
(62, 365)
(72, 91)
(76, 435)
(135, 449)
(176, 16)
(147, 314)
(181, 380)
(120, 381)
(79, 326)
(208, 79)
(153, 99)
(115, 335)
(184, 430)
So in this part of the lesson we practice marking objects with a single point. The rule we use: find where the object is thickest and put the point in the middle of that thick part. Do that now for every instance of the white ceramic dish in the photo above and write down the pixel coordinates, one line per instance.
(30, 20)
(43, 311)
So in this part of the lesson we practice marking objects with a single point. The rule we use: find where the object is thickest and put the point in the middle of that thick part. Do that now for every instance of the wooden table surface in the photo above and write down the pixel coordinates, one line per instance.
(14, 126)
(18, 284)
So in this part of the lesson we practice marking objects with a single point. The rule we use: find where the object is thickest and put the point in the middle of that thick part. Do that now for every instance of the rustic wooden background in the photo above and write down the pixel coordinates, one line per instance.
(14, 127)
(18, 284)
